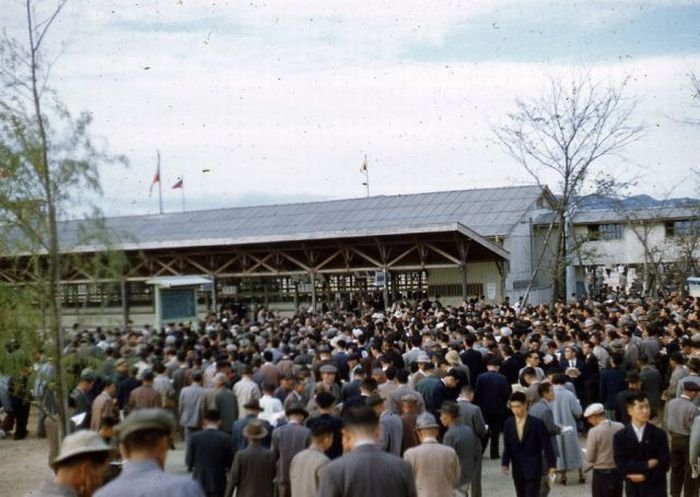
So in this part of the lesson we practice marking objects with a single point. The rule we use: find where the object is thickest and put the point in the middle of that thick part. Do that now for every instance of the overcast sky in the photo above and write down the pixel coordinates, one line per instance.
(280, 100)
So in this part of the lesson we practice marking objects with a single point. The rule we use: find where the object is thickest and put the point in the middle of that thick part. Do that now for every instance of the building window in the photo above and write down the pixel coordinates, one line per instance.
(682, 227)
(605, 231)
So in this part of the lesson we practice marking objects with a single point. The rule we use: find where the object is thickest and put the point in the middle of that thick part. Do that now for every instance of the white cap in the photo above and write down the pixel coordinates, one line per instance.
(593, 409)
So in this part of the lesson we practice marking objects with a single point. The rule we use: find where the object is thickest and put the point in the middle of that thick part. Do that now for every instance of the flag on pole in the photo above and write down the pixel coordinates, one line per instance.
(178, 184)
(156, 179)
(363, 167)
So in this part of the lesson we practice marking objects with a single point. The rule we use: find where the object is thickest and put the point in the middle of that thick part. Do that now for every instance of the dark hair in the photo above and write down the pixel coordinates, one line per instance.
(362, 417)
(402, 376)
(212, 415)
(636, 397)
(518, 397)
(543, 388)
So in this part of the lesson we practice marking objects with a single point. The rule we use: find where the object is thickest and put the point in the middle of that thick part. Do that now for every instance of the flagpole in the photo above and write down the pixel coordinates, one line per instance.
(366, 175)
(160, 187)
(182, 191)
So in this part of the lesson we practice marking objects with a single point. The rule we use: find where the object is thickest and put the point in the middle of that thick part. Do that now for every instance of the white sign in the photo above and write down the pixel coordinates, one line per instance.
(491, 291)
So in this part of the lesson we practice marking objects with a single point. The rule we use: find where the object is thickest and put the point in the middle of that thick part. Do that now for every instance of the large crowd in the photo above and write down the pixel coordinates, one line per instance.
(406, 400)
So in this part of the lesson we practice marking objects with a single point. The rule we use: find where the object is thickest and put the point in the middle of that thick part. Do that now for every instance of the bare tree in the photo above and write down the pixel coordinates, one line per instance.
(563, 133)
(47, 163)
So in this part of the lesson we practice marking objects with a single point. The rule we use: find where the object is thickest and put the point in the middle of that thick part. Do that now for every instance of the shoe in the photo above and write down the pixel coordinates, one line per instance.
(582, 479)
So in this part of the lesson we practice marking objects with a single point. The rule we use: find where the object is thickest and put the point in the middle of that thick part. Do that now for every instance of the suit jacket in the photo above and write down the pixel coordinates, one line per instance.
(631, 457)
(510, 368)
(210, 456)
(435, 467)
(542, 410)
(612, 382)
(390, 433)
(468, 448)
(367, 471)
(190, 405)
(144, 397)
(492, 392)
(475, 362)
(252, 473)
(470, 415)
(287, 441)
(526, 454)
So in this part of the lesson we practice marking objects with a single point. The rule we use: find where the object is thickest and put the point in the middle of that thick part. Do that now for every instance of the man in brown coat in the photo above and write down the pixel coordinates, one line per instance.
(145, 396)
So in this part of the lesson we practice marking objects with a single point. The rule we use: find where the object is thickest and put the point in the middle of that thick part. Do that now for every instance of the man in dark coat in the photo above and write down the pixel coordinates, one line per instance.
(491, 394)
(210, 455)
(254, 468)
(641, 451)
(364, 470)
(525, 442)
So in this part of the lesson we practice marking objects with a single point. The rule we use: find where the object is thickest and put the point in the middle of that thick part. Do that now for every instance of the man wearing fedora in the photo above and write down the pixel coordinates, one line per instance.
(79, 467)
(435, 466)
(287, 441)
(254, 468)
(607, 480)
(251, 410)
(365, 470)
(144, 437)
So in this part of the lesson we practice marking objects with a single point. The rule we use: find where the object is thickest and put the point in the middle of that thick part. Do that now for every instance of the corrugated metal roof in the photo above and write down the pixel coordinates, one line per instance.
(488, 212)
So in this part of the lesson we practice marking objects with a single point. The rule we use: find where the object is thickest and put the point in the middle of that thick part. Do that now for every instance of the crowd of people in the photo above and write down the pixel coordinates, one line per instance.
(403, 401)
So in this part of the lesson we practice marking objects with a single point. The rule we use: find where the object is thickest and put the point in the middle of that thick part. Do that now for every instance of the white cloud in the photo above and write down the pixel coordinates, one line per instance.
(287, 97)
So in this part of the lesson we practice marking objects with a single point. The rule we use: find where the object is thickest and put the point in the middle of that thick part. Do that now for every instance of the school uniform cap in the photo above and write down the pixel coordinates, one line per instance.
(146, 419)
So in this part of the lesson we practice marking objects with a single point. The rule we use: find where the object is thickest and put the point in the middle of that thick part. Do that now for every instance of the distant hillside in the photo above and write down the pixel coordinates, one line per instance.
(599, 202)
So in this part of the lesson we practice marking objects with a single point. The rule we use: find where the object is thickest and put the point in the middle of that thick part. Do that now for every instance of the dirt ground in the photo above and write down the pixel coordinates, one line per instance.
(24, 465)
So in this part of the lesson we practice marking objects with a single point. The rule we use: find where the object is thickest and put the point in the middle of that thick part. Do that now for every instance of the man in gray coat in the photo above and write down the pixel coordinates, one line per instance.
(390, 426)
(190, 406)
(470, 415)
(542, 410)
(287, 441)
(463, 440)
(364, 470)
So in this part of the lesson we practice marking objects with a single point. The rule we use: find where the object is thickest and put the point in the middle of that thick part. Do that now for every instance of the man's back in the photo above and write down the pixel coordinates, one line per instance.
(210, 457)
(190, 405)
(147, 479)
(367, 472)
(287, 441)
(252, 473)
(462, 439)
(435, 467)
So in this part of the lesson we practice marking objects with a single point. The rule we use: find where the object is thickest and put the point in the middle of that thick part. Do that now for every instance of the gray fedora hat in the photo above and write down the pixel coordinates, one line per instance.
(80, 442)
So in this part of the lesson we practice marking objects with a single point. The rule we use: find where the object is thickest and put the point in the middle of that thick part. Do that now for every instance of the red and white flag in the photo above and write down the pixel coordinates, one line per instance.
(178, 184)
(156, 179)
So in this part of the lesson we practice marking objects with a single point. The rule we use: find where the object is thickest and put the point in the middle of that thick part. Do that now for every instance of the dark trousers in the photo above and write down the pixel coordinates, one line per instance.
(681, 473)
(526, 488)
(495, 422)
(606, 483)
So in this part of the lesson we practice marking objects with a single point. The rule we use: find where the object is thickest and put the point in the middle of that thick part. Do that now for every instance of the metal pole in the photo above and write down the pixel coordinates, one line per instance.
(366, 175)
(160, 187)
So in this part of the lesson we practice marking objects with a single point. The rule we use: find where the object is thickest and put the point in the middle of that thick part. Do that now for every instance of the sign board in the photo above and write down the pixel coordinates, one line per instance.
(379, 278)
(178, 304)
(491, 291)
